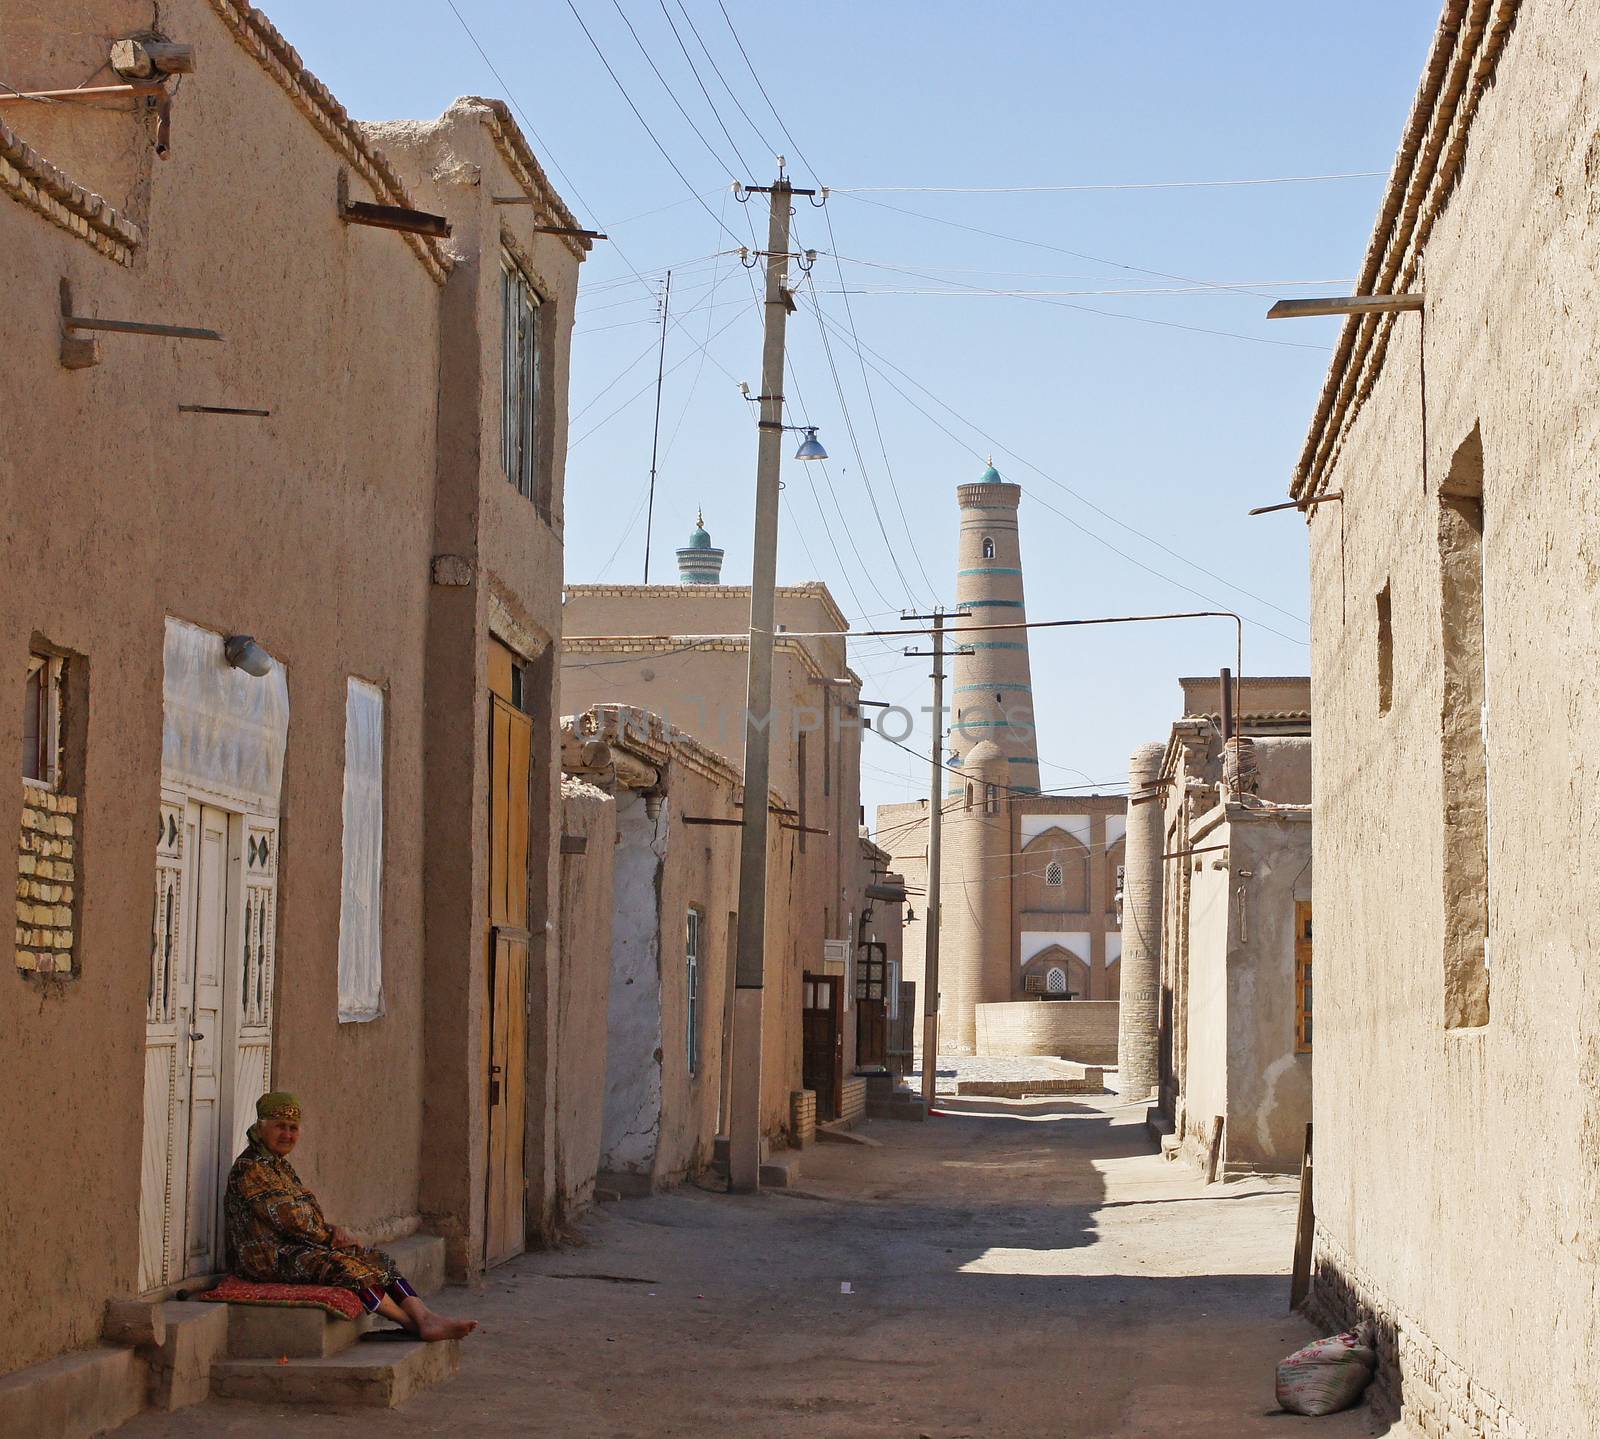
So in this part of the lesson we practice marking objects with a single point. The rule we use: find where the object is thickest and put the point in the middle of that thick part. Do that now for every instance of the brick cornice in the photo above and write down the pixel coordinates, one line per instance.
(1460, 67)
(33, 181)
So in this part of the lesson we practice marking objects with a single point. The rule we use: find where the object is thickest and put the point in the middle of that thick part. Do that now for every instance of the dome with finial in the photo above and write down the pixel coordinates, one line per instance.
(700, 562)
(990, 476)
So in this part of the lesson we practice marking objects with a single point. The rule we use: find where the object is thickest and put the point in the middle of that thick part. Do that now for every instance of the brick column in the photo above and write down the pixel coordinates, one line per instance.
(1139, 1014)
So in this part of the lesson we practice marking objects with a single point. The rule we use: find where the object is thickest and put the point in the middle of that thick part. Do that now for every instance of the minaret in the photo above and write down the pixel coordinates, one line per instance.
(993, 694)
(698, 562)
(995, 760)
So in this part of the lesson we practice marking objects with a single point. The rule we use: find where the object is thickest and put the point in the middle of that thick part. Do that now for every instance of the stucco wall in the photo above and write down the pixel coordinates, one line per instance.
(631, 1123)
(1080, 1029)
(1210, 943)
(309, 529)
(1269, 1084)
(1457, 1169)
(583, 985)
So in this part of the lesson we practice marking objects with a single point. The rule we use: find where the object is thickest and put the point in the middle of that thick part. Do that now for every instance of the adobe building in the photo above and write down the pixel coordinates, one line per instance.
(1029, 879)
(680, 652)
(1233, 1024)
(284, 675)
(661, 937)
(1448, 482)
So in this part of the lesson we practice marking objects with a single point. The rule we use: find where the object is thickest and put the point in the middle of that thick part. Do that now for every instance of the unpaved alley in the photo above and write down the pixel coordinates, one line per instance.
(1015, 1268)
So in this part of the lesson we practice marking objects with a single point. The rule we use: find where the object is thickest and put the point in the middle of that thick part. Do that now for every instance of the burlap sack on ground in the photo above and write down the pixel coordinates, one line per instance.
(1328, 1374)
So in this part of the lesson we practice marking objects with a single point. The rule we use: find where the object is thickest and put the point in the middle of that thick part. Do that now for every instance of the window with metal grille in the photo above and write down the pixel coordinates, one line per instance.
(691, 951)
(1056, 981)
(1052, 873)
(519, 381)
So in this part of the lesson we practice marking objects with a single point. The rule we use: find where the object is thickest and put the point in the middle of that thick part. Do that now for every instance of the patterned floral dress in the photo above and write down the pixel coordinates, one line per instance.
(276, 1233)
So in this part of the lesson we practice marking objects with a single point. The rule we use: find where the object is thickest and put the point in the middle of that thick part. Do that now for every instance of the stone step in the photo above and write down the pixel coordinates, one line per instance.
(271, 1331)
(379, 1372)
(420, 1257)
(719, 1150)
(75, 1396)
(195, 1337)
(782, 1170)
(901, 1104)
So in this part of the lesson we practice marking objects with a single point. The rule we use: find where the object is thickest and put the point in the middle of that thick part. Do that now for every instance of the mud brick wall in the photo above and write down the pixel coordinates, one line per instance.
(46, 881)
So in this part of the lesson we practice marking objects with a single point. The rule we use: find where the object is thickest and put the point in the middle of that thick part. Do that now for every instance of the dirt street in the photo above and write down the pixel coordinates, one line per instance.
(1016, 1268)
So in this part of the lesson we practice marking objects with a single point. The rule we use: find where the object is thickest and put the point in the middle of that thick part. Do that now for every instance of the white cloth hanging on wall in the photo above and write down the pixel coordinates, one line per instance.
(223, 731)
(361, 906)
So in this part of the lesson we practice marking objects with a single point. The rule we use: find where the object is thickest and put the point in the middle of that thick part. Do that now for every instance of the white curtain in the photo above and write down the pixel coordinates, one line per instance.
(223, 731)
(361, 907)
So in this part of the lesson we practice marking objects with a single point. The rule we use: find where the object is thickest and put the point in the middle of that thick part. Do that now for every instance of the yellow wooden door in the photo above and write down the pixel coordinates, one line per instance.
(504, 1079)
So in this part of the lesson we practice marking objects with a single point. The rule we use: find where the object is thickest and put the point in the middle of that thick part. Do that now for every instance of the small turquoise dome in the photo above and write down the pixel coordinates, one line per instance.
(990, 476)
(700, 562)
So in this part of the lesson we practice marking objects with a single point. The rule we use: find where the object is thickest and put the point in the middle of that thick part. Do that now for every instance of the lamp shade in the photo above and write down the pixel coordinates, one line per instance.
(811, 446)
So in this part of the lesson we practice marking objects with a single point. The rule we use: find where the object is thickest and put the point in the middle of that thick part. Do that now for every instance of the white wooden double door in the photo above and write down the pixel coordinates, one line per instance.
(208, 1025)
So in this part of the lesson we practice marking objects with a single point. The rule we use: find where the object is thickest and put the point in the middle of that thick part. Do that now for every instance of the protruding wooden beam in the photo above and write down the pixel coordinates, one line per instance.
(1344, 305)
(221, 410)
(1298, 504)
(139, 59)
(138, 327)
(395, 217)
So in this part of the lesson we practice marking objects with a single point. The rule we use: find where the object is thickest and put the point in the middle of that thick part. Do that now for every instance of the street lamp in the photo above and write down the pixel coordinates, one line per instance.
(811, 446)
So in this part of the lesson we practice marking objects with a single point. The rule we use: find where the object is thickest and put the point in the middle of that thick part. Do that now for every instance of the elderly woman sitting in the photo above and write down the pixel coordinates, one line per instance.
(277, 1235)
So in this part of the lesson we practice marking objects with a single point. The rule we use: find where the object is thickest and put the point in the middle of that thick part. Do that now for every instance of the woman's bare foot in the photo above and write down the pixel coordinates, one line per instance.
(434, 1327)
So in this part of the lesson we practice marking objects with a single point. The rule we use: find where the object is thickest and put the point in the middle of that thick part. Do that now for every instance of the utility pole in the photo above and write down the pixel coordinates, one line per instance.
(744, 1123)
(655, 437)
(930, 970)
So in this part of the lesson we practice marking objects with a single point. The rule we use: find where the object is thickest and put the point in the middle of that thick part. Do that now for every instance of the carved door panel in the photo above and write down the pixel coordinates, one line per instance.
(209, 1059)
(164, 1160)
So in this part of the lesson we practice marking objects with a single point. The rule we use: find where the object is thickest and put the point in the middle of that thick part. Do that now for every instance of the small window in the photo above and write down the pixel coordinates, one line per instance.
(969, 794)
(991, 799)
(1052, 873)
(1302, 976)
(691, 952)
(1056, 981)
(41, 720)
(988, 548)
(519, 380)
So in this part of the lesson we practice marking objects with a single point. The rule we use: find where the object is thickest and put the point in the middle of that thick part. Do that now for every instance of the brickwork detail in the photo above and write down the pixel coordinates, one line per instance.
(33, 181)
(853, 1099)
(46, 881)
(802, 1117)
(1416, 1380)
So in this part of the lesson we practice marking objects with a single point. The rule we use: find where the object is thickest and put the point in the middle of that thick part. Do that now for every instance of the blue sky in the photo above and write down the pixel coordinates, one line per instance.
(1147, 439)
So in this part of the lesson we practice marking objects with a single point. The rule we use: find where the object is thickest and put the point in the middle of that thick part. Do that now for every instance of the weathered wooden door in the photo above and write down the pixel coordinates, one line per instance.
(505, 1076)
(872, 1004)
(822, 1039)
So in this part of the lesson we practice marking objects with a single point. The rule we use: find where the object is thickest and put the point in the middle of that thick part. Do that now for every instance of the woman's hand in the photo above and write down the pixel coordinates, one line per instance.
(342, 1238)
